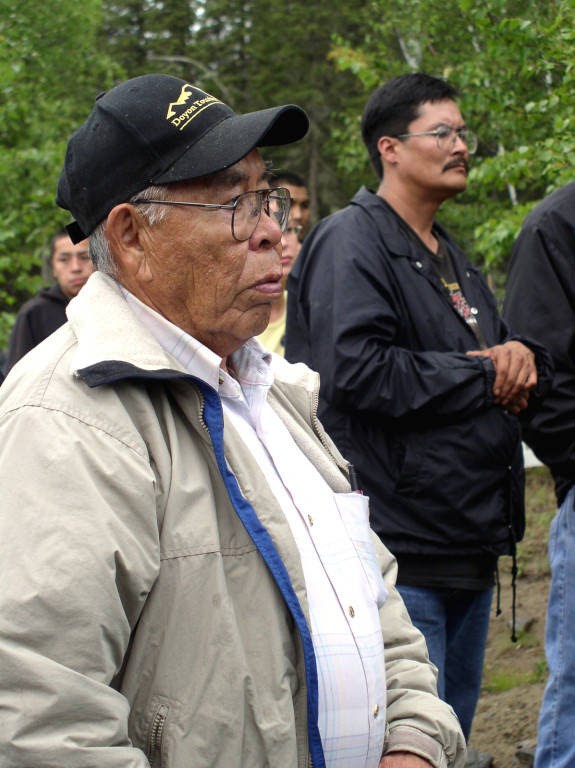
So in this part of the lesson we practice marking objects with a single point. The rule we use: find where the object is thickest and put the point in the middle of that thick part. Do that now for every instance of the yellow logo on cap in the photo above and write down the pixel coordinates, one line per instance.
(198, 105)
(185, 95)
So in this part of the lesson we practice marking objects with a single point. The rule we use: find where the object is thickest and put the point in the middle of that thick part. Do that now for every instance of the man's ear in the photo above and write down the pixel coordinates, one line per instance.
(124, 230)
(387, 147)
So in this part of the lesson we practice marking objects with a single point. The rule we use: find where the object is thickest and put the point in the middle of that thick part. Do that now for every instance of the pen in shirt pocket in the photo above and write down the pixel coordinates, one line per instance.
(353, 479)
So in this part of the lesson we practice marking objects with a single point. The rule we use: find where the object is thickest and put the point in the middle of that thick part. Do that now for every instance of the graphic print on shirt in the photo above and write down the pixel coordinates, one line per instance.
(461, 306)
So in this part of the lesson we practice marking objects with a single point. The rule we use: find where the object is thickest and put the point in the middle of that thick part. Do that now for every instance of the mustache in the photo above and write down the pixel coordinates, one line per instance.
(456, 162)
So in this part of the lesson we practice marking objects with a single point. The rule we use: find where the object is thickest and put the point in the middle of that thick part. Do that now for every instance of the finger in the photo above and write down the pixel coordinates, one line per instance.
(529, 369)
(519, 371)
(531, 380)
(501, 361)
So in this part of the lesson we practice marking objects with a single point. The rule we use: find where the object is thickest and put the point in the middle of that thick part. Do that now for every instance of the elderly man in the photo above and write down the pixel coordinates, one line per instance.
(186, 578)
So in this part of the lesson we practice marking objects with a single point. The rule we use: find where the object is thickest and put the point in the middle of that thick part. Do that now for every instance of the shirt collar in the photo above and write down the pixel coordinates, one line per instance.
(252, 363)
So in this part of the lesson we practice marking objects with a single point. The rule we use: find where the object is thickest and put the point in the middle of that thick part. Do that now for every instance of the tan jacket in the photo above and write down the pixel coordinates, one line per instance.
(153, 606)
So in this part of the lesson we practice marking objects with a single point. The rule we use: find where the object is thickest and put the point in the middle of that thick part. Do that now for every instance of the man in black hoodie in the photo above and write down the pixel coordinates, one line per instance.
(42, 315)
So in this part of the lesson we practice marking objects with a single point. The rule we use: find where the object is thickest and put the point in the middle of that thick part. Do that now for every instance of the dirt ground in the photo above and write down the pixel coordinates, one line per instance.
(515, 673)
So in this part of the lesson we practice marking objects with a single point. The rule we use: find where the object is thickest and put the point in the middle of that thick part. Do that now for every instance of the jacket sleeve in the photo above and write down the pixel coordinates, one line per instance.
(353, 321)
(418, 720)
(79, 552)
(540, 303)
(540, 290)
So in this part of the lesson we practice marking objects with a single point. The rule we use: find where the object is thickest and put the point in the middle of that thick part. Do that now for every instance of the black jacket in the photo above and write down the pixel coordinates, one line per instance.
(405, 404)
(540, 302)
(36, 320)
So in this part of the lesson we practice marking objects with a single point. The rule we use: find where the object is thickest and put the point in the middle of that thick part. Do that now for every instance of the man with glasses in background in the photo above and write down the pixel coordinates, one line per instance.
(187, 579)
(421, 382)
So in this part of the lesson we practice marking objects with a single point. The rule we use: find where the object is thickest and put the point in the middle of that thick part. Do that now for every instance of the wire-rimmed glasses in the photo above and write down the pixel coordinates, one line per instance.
(246, 209)
(446, 136)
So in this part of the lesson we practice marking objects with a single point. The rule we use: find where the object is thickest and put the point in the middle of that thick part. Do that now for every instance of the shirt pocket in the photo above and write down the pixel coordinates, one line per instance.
(354, 512)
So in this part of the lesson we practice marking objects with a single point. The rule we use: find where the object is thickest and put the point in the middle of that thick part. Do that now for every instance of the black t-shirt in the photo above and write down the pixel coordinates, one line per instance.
(443, 264)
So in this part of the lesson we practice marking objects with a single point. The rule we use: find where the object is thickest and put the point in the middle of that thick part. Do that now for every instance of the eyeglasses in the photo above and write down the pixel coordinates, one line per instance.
(446, 137)
(246, 209)
(295, 229)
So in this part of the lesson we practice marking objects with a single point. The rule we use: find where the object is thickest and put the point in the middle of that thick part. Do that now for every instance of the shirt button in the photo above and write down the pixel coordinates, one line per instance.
(418, 264)
(376, 710)
(351, 611)
(474, 311)
(310, 519)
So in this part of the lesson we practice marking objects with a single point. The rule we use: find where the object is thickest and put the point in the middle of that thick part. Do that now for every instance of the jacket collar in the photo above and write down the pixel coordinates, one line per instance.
(111, 342)
(55, 293)
(399, 237)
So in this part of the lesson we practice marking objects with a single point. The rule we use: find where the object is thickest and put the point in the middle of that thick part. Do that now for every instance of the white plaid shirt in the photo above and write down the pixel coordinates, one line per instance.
(343, 582)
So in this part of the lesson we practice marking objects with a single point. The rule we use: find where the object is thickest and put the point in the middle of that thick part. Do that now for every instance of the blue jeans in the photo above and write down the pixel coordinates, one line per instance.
(556, 732)
(454, 623)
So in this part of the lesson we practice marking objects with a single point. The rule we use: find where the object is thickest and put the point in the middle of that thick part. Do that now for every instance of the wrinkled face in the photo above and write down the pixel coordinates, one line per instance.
(299, 210)
(290, 247)
(71, 265)
(195, 274)
(422, 164)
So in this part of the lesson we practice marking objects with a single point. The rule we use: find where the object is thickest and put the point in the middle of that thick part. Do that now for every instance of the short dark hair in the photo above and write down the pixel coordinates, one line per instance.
(395, 104)
(55, 237)
(286, 177)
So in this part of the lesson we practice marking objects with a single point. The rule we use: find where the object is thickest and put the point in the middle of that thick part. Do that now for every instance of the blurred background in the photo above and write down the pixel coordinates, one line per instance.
(512, 61)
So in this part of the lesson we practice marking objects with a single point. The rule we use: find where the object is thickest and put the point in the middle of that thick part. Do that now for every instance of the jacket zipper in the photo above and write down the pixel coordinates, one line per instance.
(202, 413)
(155, 736)
(319, 431)
(317, 428)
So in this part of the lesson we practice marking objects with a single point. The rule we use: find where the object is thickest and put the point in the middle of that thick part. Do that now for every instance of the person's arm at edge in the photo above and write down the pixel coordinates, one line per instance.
(540, 298)
(71, 593)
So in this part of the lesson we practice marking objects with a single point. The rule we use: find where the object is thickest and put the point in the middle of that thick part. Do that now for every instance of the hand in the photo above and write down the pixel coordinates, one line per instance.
(515, 373)
(403, 760)
(518, 403)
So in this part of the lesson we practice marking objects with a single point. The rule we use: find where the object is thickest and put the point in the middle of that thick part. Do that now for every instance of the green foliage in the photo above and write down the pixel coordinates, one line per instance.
(50, 71)
(252, 54)
(512, 61)
(504, 680)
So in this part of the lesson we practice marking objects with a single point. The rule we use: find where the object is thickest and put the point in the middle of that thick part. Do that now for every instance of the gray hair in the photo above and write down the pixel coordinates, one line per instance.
(100, 252)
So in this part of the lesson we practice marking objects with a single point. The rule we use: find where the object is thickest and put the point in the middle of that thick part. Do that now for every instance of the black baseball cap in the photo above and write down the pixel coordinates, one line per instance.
(159, 129)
